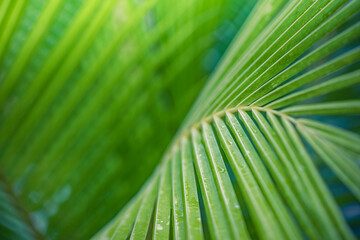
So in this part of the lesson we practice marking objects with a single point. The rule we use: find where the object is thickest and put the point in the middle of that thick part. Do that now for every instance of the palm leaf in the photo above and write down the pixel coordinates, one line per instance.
(244, 165)
(91, 93)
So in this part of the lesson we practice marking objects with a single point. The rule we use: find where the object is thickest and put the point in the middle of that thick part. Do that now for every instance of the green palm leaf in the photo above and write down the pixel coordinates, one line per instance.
(241, 143)
(92, 92)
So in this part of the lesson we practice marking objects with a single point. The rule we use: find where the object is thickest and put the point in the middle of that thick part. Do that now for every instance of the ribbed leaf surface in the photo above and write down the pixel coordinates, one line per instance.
(246, 163)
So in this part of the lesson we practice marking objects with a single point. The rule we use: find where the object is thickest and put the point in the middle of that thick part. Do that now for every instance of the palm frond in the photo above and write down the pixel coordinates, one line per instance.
(243, 165)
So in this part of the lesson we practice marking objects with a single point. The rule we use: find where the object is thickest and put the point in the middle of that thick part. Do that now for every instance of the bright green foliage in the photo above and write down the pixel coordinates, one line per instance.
(254, 171)
(91, 93)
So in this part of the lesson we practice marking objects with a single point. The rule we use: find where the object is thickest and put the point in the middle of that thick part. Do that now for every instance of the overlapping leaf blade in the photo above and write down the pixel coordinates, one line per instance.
(238, 127)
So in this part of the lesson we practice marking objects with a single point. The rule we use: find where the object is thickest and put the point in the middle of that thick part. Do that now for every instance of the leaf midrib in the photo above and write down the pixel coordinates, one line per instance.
(185, 133)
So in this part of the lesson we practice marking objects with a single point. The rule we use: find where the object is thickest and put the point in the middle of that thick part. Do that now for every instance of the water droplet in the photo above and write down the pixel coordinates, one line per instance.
(220, 170)
(159, 227)
(254, 130)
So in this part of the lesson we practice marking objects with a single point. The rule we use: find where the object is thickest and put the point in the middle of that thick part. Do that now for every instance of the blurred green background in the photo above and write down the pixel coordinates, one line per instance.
(91, 94)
